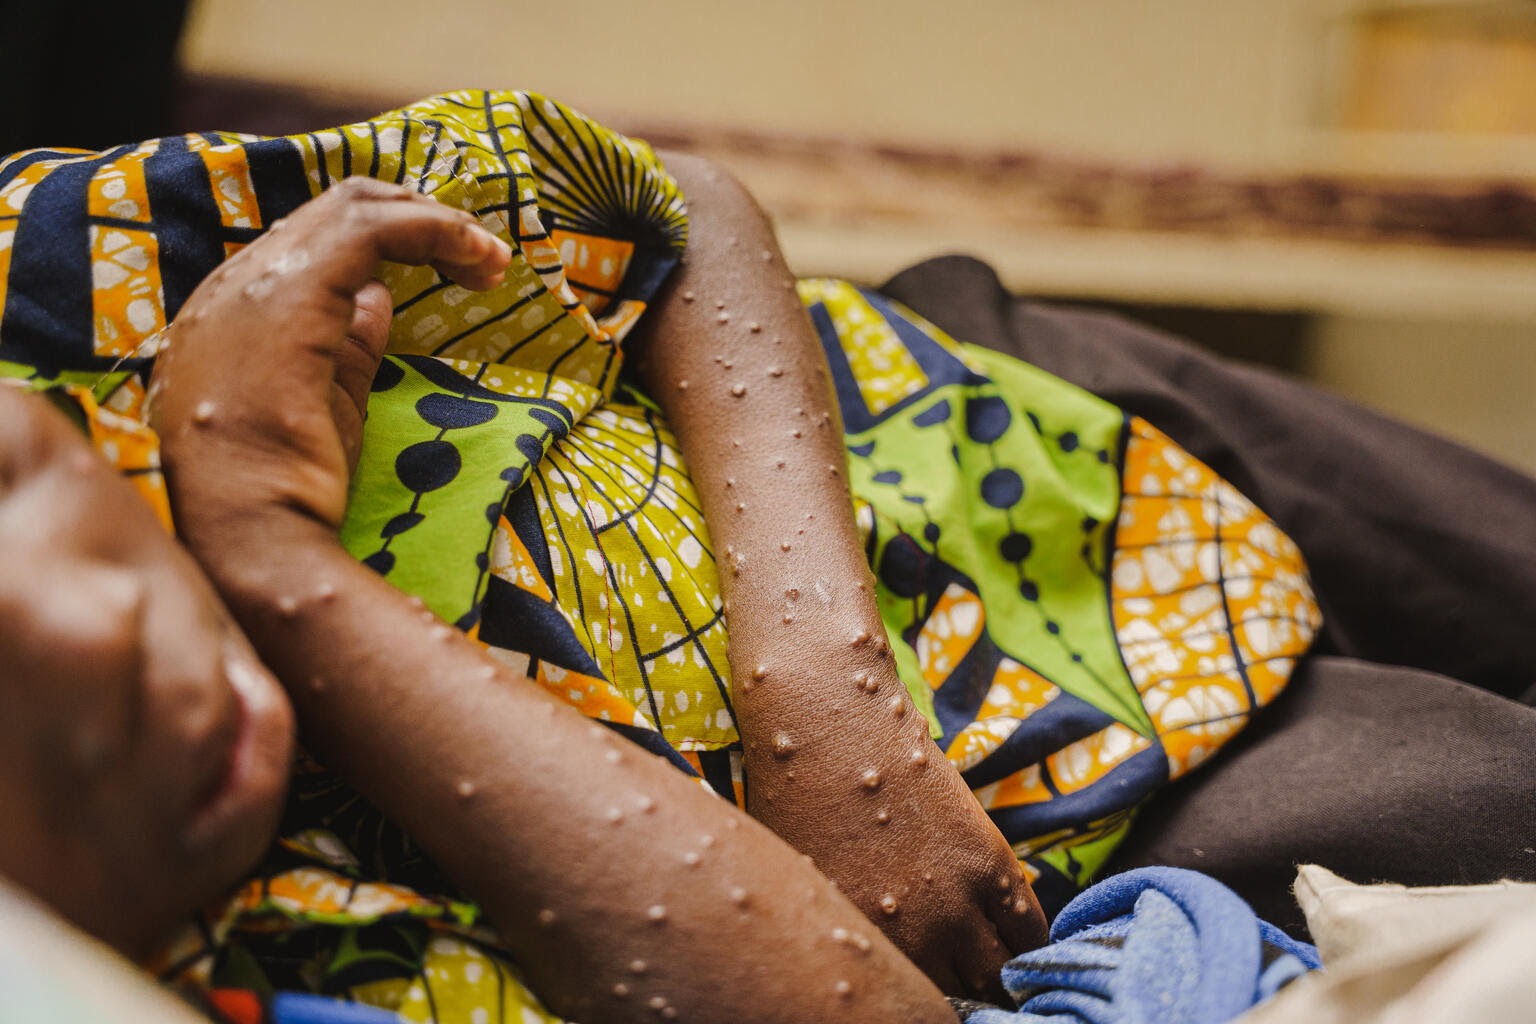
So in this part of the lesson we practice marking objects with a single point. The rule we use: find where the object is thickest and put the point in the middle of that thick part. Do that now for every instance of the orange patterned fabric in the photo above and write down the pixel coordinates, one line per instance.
(1210, 601)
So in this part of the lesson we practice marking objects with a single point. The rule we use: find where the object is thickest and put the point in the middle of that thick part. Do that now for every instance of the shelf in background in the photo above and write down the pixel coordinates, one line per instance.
(1360, 244)
(1282, 274)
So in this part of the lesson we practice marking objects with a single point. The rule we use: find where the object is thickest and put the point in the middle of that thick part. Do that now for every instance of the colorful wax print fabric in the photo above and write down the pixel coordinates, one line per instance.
(1090, 610)
(1082, 610)
(99, 250)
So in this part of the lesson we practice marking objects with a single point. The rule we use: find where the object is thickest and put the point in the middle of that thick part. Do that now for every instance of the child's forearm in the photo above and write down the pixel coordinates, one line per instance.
(615, 881)
(735, 362)
(838, 762)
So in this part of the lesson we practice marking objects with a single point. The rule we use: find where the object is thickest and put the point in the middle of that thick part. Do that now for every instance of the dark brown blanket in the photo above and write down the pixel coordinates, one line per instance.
(1423, 555)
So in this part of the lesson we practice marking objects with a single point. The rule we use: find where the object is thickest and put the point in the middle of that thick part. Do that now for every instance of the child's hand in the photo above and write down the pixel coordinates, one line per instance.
(259, 397)
(882, 812)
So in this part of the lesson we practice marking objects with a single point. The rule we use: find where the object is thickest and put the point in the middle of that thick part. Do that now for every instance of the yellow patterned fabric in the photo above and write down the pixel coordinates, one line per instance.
(1083, 611)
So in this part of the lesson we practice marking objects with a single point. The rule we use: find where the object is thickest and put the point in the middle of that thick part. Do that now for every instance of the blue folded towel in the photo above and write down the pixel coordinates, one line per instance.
(1151, 946)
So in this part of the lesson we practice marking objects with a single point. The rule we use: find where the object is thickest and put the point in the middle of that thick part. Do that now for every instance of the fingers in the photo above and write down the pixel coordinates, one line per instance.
(302, 276)
(353, 226)
(357, 361)
(293, 291)
(972, 959)
(273, 353)
(1014, 925)
(1020, 921)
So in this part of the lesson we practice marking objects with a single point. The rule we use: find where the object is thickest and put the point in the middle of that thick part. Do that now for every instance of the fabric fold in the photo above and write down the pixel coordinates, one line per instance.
(1155, 944)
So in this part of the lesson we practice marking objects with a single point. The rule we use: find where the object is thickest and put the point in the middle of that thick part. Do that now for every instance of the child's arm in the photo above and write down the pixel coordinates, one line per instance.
(621, 887)
(839, 763)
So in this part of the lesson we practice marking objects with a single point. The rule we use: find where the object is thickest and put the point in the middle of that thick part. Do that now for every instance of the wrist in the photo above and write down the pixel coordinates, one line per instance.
(255, 555)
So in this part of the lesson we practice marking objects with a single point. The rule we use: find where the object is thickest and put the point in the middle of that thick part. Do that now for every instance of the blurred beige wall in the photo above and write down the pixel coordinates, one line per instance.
(1121, 77)
(1239, 83)
(1471, 381)
(1444, 338)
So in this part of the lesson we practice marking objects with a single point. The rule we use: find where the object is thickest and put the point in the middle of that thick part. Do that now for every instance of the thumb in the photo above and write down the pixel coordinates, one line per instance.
(357, 361)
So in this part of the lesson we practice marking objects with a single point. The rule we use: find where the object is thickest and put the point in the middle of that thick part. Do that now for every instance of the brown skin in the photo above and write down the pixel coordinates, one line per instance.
(144, 751)
(259, 415)
(743, 379)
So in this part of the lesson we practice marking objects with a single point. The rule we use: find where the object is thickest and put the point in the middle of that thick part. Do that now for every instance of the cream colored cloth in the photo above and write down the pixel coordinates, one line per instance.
(50, 972)
(1394, 955)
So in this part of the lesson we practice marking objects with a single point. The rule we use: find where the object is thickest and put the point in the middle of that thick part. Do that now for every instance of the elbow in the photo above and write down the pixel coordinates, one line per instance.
(709, 187)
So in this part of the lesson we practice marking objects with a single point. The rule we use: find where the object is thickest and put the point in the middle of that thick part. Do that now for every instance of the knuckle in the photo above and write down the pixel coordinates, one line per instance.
(356, 187)
(355, 200)
(356, 215)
